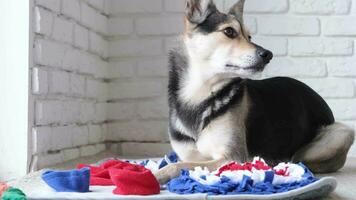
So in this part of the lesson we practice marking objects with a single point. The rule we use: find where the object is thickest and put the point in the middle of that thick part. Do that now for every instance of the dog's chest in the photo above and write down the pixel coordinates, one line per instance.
(216, 139)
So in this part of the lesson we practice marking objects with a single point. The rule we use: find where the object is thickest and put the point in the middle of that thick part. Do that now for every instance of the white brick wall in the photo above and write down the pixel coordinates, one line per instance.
(68, 79)
(100, 70)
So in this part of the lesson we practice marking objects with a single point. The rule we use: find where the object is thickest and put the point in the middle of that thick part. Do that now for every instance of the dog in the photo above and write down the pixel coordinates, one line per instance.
(217, 114)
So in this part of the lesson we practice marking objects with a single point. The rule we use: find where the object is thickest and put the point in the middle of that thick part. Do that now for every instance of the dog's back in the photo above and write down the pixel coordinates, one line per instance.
(284, 115)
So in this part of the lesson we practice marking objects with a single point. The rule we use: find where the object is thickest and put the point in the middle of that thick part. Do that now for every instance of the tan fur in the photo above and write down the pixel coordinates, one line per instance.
(328, 151)
(171, 171)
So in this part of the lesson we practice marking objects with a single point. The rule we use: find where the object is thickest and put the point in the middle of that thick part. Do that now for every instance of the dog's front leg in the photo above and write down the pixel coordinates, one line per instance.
(173, 170)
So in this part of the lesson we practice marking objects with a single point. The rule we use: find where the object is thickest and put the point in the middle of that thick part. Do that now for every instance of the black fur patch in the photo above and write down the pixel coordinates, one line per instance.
(285, 115)
(212, 23)
(178, 136)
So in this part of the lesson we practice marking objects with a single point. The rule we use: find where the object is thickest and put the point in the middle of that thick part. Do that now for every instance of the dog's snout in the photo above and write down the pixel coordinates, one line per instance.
(265, 54)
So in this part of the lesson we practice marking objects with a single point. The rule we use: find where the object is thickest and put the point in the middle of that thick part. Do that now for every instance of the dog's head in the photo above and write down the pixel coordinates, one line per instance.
(219, 42)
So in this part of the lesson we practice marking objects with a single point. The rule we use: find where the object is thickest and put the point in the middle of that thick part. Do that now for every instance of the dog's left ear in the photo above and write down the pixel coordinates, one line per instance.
(238, 10)
(198, 10)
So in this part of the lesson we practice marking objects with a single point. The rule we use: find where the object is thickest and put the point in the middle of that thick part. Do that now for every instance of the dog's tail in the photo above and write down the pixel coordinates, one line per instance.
(328, 150)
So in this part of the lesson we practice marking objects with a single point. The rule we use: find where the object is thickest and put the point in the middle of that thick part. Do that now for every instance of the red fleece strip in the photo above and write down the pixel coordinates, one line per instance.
(129, 179)
(259, 165)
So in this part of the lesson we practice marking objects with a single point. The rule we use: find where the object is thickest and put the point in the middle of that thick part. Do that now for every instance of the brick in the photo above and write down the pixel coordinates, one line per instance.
(145, 149)
(98, 45)
(107, 7)
(71, 8)
(320, 7)
(100, 112)
(93, 19)
(95, 134)
(87, 112)
(70, 154)
(97, 89)
(147, 131)
(80, 136)
(121, 69)
(320, 47)
(120, 26)
(70, 60)
(339, 26)
(297, 67)
(257, 6)
(132, 47)
(121, 110)
(153, 68)
(342, 67)
(344, 109)
(288, 26)
(104, 130)
(49, 53)
(251, 24)
(101, 70)
(159, 26)
(77, 85)
(93, 65)
(279, 46)
(174, 6)
(332, 88)
(48, 112)
(43, 21)
(48, 160)
(89, 150)
(136, 6)
(98, 4)
(59, 82)
(63, 30)
(100, 147)
(153, 109)
(71, 112)
(62, 137)
(81, 37)
(353, 11)
(87, 63)
(41, 139)
(136, 89)
(53, 5)
(114, 148)
(39, 81)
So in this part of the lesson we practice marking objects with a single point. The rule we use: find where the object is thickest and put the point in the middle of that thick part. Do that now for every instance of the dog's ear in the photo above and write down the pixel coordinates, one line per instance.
(198, 10)
(238, 10)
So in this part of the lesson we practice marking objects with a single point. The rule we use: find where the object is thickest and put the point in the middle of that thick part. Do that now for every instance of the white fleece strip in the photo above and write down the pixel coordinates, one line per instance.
(294, 171)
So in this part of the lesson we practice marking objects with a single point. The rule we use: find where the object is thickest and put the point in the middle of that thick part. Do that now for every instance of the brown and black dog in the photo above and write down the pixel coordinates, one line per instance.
(217, 114)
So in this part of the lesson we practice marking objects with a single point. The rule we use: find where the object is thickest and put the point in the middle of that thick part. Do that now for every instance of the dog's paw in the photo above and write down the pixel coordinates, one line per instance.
(167, 173)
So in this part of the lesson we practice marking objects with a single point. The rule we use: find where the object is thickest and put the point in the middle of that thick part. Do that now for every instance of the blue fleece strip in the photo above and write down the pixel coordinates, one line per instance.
(68, 181)
(184, 184)
(170, 158)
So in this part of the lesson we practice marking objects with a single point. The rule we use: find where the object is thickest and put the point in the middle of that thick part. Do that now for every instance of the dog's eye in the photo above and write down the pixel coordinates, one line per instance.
(230, 32)
(250, 37)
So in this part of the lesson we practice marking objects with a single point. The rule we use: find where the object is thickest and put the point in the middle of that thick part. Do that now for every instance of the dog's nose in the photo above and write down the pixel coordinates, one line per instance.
(265, 54)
